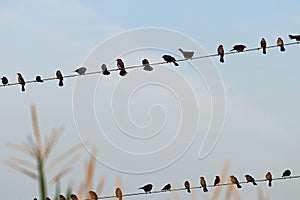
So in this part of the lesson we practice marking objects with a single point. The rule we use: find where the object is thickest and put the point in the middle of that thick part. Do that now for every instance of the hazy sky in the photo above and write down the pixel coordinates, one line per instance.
(155, 120)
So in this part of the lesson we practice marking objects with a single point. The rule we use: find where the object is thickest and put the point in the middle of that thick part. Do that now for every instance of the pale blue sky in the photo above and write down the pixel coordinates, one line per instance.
(261, 127)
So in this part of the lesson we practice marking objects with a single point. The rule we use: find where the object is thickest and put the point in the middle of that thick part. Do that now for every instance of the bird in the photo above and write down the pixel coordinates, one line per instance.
(269, 178)
(21, 81)
(121, 67)
(250, 179)
(203, 184)
(187, 54)
(104, 70)
(217, 180)
(263, 45)
(119, 193)
(93, 195)
(147, 188)
(297, 37)
(166, 187)
(34, 198)
(221, 53)
(4, 80)
(62, 197)
(39, 79)
(169, 58)
(286, 173)
(187, 186)
(47, 198)
(280, 44)
(146, 65)
(74, 197)
(81, 70)
(234, 180)
(238, 48)
(60, 77)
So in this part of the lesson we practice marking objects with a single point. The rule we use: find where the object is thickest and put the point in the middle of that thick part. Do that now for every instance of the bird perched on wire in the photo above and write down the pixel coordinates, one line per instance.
(62, 197)
(93, 195)
(169, 58)
(263, 45)
(269, 178)
(221, 53)
(74, 197)
(280, 44)
(217, 180)
(187, 186)
(234, 180)
(118, 193)
(187, 54)
(297, 37)
(21, 81)
(147, 188)
(146, 65)
(203, 184)
(166, 187)
(104, 70)
(286, 173)
(4, 80)
(121, 67)
(81, 70)
(60, 77)
(238, 48)
(39, 79)
(250, 179)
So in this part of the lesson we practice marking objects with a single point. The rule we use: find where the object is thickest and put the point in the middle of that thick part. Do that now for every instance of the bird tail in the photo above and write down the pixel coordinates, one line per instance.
(61, 83)
(23, 88)
(254, 183)
(270, 183)
(106, 72)
(282, 48)
(123, 72)
(205, 189)
(222, 59)
(264, 51)
(175, 63)
(292, 37)
(238, 185)
(148, 68)
(189, 190)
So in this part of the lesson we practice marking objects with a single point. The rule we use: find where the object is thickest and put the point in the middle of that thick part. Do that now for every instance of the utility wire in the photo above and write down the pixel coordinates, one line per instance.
(152, 64)
(198, 187)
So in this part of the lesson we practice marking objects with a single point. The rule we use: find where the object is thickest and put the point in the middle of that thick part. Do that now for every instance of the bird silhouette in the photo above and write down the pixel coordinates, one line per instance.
(104, 70)
(81, 70)
(250, 179)
(74, 197)
(269, 178)
(47, 198)
(263, 45)
(169, 58)
(187, 186)
(297, 37)
(217, 180)
(280, 44)
(234, 180)
(39, 79)
(166, 187)
(21, 81)
(118, 193)
(34, 198)
(4, 80)
(187, 54)
(238, 48)
(146, 65)
(60, 77)
(286, 173)
(93, 195)
(147, 188)
(121, 67)
(62, 197)
(221, 53)
(203, 184)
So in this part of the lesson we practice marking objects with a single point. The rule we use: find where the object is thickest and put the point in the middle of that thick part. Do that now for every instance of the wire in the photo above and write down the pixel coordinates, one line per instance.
(153, 64)
(198, 187)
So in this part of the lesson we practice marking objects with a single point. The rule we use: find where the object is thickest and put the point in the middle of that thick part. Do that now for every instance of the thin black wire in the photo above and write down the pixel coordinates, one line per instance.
(152, 64)
(198, 187)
